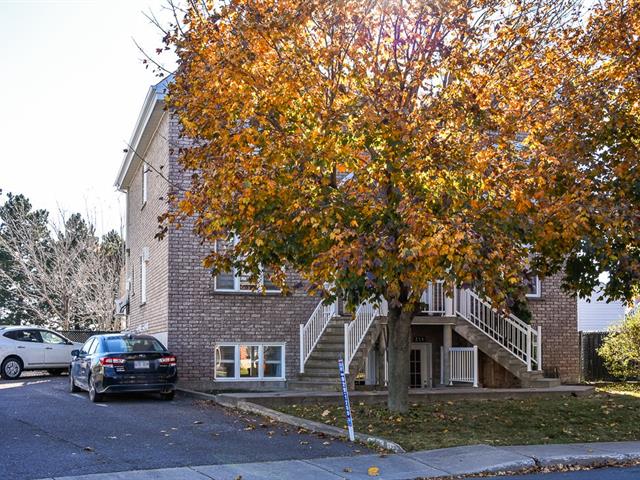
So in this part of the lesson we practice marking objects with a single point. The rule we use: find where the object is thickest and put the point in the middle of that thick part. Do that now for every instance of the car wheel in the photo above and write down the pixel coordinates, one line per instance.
(73, 388)
(94, 396)
(11, 368)
(55, 372)
(168, 395)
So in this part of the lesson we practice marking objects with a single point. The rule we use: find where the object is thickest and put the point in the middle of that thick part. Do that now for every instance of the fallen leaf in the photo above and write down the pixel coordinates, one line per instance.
(373, 471)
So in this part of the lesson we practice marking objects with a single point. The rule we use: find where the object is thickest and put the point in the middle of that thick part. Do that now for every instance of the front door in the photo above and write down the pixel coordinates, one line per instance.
(420, 365)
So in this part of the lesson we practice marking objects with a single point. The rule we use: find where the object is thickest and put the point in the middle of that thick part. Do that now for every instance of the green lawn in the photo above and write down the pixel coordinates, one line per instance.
(604, 416)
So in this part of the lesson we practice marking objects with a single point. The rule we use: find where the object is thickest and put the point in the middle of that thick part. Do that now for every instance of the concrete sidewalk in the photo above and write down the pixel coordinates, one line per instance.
(425, 464)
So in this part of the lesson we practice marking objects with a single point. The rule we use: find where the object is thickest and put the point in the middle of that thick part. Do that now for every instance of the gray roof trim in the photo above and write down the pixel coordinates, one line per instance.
(147, 122)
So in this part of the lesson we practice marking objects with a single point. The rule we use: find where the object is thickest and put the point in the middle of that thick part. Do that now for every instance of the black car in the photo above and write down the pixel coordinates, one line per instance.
(123, 363)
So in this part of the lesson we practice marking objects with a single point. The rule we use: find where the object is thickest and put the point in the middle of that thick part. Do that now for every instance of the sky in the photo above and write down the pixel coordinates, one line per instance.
(72, 84)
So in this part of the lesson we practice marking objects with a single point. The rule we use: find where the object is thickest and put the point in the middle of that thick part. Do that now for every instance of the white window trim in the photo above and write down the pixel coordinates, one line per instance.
(537, 293)
(144, 260)
(236, 360)
(145, 183)
(236, 281)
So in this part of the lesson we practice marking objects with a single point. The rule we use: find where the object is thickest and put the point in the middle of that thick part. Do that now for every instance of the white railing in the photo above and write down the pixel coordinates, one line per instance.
(463, 365)
(311, 331)
(516, 336)
(356, 330)
(433, 299)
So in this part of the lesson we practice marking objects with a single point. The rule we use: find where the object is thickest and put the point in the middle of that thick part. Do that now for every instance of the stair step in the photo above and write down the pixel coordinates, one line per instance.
(329, 347)
(314, 363)
(542, 383)
(313, 373)
(314, 385)
(330, 356)
(335, 327)
(332, 338)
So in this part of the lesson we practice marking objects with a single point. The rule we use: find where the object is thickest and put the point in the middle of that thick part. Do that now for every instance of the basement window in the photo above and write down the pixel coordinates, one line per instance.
(249, 361)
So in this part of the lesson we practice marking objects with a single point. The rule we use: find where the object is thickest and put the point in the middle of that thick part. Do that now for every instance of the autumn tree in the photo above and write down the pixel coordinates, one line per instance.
(377, 145)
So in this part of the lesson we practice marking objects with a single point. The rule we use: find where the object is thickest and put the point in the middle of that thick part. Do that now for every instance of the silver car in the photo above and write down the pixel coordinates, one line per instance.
(32, 348)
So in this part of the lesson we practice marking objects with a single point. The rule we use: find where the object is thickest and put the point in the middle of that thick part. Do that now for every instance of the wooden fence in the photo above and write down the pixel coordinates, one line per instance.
(591, 364)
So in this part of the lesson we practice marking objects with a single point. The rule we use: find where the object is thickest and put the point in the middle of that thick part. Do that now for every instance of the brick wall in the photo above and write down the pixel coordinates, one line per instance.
(142, 225)
(557, 314)
(199, 316)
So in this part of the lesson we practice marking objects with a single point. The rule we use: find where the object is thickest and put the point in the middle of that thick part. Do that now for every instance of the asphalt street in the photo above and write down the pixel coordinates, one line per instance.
(614, 473)
(46, 431)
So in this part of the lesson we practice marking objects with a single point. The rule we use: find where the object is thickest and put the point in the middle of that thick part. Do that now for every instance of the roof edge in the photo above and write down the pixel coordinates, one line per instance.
(153, 98)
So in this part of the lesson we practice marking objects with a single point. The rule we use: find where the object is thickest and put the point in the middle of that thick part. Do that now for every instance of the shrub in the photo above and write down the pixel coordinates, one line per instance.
(621, 348)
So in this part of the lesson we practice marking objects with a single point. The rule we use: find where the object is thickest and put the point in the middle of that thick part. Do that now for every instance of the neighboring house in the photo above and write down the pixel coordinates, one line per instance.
(597, 315)
(227, 336)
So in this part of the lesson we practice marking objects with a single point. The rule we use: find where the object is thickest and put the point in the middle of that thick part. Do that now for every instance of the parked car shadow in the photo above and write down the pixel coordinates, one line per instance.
(123, 398)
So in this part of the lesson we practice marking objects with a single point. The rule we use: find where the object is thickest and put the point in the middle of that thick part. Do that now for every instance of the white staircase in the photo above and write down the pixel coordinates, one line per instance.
(311, 332)
(505, 338)
(356, 330)
(515, 336)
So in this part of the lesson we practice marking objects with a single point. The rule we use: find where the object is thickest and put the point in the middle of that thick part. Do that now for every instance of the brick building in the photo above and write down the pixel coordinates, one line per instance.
(227, 336)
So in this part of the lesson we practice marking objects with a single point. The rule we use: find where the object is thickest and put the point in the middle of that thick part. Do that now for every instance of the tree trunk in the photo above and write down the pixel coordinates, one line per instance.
(399, 323)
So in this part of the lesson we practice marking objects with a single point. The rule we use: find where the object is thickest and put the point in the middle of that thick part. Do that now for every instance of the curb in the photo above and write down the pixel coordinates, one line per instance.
(315, 427)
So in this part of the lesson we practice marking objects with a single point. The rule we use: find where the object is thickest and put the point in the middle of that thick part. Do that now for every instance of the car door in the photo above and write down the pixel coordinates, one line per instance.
(29, 347)
(82, 364)
(57, 351)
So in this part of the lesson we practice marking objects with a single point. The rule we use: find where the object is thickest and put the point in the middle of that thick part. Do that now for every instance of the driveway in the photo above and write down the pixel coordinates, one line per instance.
(47, 431)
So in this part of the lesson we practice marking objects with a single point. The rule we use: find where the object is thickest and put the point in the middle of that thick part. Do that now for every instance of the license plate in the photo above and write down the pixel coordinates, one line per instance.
(141, 364)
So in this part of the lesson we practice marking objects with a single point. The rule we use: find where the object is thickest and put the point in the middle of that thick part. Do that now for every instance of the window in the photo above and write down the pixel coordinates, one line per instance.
(249, 361)
(272, 361)
(50, 337)
(24, 336)
(145, 182)
(236, 281)
(132, 345)
(532, 283)
(93, 348)
(144, 258)
(87, 346)
(225, 361)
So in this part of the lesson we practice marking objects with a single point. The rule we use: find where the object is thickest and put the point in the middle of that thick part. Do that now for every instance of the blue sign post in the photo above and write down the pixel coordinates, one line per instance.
(345, 396)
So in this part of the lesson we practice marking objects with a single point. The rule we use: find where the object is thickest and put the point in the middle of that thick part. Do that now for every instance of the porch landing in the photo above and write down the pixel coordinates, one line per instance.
(427, 395)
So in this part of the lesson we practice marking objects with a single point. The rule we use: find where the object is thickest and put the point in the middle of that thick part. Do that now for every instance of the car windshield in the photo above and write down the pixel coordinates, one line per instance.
(133, 344)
